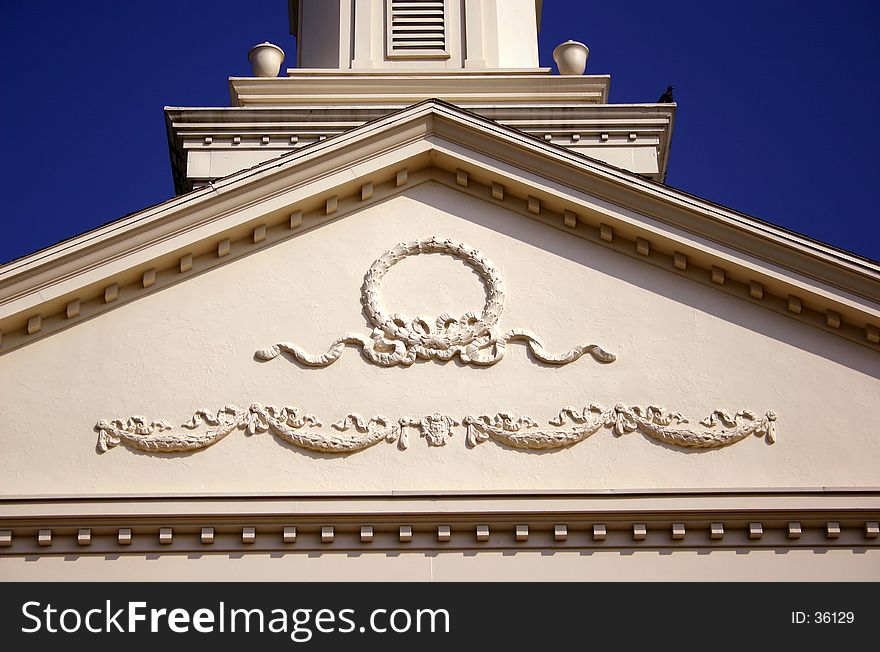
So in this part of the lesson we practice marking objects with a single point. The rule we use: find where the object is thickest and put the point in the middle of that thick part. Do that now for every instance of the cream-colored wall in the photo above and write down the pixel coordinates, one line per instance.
(640, 566)
(517, 33)
(679, 344)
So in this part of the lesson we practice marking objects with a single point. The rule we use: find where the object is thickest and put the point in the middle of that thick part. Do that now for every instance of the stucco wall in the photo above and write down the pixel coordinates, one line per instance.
(640, 566)
(681, 345)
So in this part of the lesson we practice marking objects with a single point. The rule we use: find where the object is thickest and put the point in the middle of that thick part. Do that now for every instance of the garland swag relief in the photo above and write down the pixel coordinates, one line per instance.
(305, 431)
(398, 340)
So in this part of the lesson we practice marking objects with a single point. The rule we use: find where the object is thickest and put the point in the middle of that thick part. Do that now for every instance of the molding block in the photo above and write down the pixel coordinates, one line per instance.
(34, 324)
(296, 219)
(366, 534)
(260, 233)
(679, 260)
(497, 191)
(5, 538)
(832, 529)
(327, 534)
(288, 535)
(73, 308)
(832, 319)
(367, 191)
(84, 537)
(643, 246)
(640, 531)
(606, 232)
(461, 177)
(599, 532)
(331, 205)
(718, 275)
(166, 536)
(570, 219)
(756, 530)
(111, 292)
(248, 534)
(522, 532)
(794, 530)
(186, 263)
(678, 531)
(716, 530)
(223, 247)
(756, 290)
(794, 304)
(444, 533)
(401, 178)
(405, 533)
(560, 532)
(44, 537)
(207, 535)
(149, 278)
(482, 533)
(534, 205)
(123, 537)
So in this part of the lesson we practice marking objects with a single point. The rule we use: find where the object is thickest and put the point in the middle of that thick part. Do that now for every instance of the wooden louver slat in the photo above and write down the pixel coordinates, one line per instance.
(417, 26)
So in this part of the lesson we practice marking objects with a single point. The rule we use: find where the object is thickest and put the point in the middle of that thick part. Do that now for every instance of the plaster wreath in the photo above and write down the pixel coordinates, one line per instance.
(398, 340)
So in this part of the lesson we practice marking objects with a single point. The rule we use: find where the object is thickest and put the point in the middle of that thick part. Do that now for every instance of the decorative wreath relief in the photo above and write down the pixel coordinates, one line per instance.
(289, 424)
(399, 340)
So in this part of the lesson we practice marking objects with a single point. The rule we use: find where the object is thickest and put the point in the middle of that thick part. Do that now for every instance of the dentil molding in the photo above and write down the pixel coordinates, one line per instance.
(355, 433)
(398, 340)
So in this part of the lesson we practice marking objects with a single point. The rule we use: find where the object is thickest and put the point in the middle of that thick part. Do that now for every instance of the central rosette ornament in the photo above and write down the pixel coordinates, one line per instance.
(397, 340)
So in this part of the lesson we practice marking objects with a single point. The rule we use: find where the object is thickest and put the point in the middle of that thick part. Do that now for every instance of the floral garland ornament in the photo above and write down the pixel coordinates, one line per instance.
(289, 425)
(653, 421)
(399, 340)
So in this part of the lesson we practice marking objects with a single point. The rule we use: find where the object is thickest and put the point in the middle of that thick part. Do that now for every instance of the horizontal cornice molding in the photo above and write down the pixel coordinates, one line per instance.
(587, 129)
(345, 88)
(846, 519)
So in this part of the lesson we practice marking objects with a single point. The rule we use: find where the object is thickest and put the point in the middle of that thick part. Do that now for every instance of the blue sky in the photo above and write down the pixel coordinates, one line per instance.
(776, 101)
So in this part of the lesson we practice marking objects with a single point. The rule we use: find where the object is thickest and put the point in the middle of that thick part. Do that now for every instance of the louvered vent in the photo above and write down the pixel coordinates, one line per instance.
(417, 28)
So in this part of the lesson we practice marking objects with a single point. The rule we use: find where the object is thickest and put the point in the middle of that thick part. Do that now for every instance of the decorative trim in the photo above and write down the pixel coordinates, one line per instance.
(533, 530)
(287, 424)
(603, 520)
(860, 332)
(399, 340)
(653, 421)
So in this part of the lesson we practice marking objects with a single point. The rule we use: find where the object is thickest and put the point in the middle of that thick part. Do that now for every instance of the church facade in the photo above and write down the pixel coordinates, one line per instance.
(422, 309)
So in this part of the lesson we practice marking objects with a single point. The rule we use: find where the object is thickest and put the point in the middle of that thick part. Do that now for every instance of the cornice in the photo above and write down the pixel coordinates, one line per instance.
(384, 523)
(402, 89)
(814, 283)
(588, 129)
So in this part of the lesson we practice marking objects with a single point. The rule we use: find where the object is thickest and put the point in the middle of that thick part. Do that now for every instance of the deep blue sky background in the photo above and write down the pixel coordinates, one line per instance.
(777, 101)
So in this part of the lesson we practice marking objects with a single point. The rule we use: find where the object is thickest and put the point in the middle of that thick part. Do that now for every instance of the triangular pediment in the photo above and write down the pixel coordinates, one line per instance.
(433, 141)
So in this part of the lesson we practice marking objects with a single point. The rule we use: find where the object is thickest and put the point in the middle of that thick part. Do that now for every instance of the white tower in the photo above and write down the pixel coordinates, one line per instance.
(416, 34)
(362, 59)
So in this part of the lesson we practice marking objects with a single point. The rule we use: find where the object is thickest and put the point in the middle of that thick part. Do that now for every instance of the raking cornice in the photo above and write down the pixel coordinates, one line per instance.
(826, 287)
